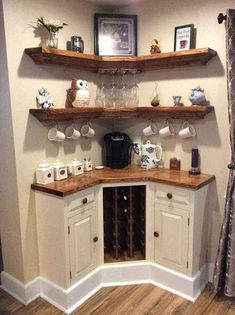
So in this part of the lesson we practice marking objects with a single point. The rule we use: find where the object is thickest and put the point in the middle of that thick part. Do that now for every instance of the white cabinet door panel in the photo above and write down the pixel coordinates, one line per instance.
(171, 246)
(82, 247)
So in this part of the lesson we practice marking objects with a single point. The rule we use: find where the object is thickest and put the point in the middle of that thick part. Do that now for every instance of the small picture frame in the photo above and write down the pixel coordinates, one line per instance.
(115, 35)
(184, 37)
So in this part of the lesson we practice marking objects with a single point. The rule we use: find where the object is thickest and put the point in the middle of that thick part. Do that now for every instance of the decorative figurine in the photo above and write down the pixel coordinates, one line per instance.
(197, 96)
(78, 94)
(155, 47)
(45, 99)
(176, 100)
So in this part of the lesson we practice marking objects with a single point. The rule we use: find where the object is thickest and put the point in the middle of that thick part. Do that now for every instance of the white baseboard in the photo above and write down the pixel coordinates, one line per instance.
(67, 300)
(210, 272)
(25, 293)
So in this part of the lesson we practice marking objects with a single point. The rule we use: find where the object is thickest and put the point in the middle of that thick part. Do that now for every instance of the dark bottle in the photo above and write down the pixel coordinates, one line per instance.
(77, 44)
(195, 170)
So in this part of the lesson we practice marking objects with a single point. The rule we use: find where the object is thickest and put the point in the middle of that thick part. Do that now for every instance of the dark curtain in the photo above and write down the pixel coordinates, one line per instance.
(224, 273)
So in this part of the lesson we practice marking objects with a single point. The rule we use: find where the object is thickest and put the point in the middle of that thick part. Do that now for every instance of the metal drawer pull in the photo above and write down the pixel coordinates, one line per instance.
(84, 200)
(169, 195)
(95, 239)
(156, 234)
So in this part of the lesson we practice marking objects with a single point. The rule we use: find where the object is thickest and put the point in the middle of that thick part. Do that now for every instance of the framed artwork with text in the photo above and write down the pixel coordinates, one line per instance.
(184, 37)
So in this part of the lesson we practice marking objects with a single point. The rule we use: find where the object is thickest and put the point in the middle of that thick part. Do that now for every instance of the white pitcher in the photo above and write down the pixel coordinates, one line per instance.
(148, 155)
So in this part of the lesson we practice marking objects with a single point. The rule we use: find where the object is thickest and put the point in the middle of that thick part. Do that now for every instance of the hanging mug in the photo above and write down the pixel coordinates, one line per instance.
(167, 130)
(87, 131)
(72, 133)
(55, 135)
(150, 130)
(187, 131)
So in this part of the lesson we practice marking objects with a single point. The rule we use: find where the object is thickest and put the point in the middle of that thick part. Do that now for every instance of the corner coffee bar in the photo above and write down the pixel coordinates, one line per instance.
(126, 219)
(121, 222)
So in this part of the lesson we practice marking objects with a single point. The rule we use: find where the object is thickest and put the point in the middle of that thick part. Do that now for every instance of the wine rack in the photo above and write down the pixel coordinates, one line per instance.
(124, 223)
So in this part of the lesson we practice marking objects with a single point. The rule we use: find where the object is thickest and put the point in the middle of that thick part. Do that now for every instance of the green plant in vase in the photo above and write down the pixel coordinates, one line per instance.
(53, 27)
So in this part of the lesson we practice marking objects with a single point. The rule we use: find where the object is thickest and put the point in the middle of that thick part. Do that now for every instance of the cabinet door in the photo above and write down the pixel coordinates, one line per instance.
(171, 239)
(81, 244)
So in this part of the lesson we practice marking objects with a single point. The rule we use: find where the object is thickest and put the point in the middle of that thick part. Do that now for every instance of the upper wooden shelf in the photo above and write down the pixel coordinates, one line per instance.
(192, 57)
(180, 112)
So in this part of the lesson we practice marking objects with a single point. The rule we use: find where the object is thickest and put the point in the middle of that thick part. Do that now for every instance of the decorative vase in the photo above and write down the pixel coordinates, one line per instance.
(52, 40)
(155, 96)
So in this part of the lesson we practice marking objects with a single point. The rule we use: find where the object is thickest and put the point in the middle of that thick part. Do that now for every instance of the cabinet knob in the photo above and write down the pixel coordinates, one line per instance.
(156, 234)
(84, 200)
(95, 239)
(169, 195)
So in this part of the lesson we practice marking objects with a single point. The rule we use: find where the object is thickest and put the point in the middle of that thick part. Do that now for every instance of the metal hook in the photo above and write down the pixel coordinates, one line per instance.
(221, 17)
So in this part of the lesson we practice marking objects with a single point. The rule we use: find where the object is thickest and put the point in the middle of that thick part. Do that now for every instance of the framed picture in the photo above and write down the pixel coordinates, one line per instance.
(115, 35)
(184, 37)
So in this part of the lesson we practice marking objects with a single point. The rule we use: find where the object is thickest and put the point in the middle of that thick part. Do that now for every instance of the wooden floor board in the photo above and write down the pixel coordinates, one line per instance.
(143, 299)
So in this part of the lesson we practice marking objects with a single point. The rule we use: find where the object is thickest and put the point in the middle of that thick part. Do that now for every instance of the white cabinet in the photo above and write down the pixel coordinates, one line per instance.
(171, 237)
(68, 237)
(82, 244)
(70, 231)
(180, 228)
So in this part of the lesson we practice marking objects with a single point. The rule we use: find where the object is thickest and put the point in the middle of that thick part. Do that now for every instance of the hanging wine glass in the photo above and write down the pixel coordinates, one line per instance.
(107, 99)
(113, 90)
(100, 92)
(120, 102)
(134, 91)
(124, 90)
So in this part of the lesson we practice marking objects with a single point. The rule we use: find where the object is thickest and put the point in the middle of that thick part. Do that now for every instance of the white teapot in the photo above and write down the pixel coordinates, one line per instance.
(148, 155)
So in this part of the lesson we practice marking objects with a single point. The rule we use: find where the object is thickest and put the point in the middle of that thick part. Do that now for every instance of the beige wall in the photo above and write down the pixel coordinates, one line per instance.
(9, 203)
(25, 139)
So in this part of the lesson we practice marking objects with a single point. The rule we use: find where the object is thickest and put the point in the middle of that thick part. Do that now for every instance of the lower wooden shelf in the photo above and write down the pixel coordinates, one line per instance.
(180, 112)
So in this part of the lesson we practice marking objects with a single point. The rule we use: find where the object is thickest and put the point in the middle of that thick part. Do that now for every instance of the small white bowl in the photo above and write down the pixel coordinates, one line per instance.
(99, 167)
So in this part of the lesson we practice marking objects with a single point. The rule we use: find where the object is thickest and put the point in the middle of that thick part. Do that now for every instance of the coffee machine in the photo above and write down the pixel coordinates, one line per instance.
(117, 150)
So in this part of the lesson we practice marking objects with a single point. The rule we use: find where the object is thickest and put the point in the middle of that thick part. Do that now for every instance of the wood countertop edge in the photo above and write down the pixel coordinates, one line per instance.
(93, 181)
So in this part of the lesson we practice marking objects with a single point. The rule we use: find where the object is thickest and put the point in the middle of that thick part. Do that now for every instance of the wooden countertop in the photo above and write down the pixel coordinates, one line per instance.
(132, 173)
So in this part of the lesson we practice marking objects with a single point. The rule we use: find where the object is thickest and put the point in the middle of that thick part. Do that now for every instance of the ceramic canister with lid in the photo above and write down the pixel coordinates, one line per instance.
(44, 173)
(75, 167)
(88, 165)
(60, 170)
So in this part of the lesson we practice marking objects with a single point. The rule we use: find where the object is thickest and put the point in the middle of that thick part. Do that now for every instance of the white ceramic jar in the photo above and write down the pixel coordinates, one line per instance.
(60, 170)
(75, 167)
(88, 165)
(44, 173)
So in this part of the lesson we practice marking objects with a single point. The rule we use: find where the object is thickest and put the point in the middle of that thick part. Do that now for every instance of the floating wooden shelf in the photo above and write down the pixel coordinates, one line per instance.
(180, 112)
(192, 57)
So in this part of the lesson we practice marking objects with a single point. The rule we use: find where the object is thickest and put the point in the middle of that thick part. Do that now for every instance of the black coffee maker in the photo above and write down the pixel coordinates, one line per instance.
(117, 150)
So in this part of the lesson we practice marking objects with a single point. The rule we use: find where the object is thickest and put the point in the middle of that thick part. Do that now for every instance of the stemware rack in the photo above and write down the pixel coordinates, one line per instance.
(124, 223)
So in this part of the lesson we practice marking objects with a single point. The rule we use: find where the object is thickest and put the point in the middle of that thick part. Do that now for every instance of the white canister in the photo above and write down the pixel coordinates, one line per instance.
(44, 173)
(88, 166)
(75, 167)
(60, 170)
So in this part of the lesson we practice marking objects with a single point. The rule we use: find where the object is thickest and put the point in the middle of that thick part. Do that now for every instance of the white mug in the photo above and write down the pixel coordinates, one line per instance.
(168, 130)
(87, 131)
(72, 133)
(187, 131)
(150, 130)
(55, 135)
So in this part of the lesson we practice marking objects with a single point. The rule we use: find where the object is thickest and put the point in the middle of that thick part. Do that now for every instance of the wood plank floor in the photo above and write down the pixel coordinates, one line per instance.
(143, 299)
